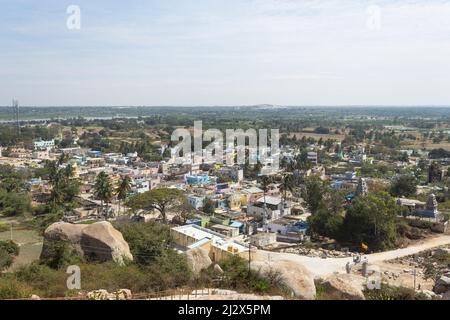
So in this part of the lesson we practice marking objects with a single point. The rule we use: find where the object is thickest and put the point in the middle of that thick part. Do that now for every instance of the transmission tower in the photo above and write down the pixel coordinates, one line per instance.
(16, 113)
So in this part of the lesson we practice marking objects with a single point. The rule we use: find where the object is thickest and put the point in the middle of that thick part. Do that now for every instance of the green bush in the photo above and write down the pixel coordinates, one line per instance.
(387, 292)
(6, 260)
(44, 281)
(8, 250)
(321, 291)
(111, 276)
(10, 247)
(147, 241)
(261, 285)
(58, 254)
(4, 227)
(50, 283)
(238, 277)
(11, 288)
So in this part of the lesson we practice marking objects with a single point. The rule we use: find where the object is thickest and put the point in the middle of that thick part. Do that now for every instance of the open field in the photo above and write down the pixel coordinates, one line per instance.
(29, 241)
(317, 136)
(429, 145)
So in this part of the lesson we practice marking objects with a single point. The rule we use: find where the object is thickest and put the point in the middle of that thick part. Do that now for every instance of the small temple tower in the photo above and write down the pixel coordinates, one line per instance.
(432, 205)
(430, 209)
(361, 189)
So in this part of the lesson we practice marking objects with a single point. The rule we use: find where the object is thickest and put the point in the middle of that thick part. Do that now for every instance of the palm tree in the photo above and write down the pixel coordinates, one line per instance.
(123, 189)
(103, 189)
(287, 184)
(64, 187)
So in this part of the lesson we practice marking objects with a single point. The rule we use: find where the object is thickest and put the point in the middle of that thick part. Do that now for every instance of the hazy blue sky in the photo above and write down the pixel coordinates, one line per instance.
(225, 52)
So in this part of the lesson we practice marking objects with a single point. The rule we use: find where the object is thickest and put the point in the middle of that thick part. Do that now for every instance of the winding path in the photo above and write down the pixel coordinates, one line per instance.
(320, 267)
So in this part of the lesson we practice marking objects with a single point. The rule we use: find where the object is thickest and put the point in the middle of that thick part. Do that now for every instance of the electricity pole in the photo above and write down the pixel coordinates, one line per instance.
(249, 247)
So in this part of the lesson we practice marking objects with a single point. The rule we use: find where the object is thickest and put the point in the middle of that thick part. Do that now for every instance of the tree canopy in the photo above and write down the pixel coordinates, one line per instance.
(313, 193)
(103, 189)
(371, 220)
(158, 199)
(404, 186)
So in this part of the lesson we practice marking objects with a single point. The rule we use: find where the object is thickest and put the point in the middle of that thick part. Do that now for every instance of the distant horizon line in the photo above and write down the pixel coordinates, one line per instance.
(236, 106)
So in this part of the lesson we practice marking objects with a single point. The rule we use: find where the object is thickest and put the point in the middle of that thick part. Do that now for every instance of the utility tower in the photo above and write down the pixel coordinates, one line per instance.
(15, 104)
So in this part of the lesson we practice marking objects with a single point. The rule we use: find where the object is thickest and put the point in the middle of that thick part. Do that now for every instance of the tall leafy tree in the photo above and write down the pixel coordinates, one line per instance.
(302, 162)
(404, 186)
(209, 206)
(313, 193)
(157, 199)
(371, 220)
(11, 180)
(325, 223)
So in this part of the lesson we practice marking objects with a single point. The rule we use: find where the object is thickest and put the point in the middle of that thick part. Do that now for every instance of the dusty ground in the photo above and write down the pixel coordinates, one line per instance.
(320, 267)
(216, 294)
(403, 275)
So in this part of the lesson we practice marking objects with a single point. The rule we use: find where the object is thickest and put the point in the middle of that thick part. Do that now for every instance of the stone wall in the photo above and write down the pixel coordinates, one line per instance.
(441, 227)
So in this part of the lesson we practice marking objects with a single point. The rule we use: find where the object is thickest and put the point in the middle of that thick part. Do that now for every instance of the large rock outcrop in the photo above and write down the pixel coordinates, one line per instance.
(442, 284)
(293, 276)
(103, 242)
(342, 287)
(99, 241)
(66, 232)
(198, 259)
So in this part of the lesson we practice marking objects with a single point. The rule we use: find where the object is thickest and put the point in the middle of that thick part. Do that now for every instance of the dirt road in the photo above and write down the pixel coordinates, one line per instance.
(320, 267)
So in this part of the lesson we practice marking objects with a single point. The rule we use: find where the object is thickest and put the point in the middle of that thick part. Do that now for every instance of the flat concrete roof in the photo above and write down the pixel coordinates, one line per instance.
(197, 232)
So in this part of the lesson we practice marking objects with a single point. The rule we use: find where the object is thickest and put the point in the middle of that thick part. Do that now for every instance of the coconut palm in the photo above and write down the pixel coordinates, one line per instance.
(123, 189)
(103, 189)
(287, 184)
(64, 187)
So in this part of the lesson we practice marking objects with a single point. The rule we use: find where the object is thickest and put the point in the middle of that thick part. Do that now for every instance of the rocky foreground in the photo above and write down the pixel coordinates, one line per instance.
(100, 241)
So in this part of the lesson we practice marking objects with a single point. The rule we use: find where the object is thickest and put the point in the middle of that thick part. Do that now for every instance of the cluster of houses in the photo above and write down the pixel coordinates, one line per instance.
(243, 213)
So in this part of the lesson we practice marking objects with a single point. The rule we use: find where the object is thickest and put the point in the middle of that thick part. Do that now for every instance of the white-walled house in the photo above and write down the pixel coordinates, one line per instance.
(275, 206)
